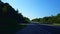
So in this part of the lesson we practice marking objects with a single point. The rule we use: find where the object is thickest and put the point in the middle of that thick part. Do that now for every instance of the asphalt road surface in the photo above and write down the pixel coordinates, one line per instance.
(39, 29)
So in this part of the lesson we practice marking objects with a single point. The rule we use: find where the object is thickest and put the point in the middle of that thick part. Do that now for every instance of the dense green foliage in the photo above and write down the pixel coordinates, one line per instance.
(48, 20)
(9, 19)
(27, 20)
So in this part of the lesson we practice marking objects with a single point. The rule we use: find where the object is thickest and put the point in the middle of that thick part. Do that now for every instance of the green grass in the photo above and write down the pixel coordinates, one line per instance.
(52, 24)
(56, 24)
(20, 27)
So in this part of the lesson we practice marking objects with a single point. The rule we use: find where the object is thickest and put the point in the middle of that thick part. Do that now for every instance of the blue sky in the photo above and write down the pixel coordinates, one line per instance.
(36, 8)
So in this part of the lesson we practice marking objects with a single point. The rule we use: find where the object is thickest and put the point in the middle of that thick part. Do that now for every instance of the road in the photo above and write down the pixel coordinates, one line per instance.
(39, 29)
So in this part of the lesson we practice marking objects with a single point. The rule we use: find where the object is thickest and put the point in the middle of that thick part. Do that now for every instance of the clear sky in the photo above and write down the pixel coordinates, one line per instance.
(36, 8)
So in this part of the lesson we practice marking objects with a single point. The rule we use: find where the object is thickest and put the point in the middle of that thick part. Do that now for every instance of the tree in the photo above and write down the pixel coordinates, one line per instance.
(9, 19)
(36, 20)
(49, 20)
(27, 20)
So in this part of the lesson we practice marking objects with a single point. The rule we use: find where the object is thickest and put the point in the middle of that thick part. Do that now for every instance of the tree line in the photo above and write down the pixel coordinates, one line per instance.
(48, 20)
(10, 19)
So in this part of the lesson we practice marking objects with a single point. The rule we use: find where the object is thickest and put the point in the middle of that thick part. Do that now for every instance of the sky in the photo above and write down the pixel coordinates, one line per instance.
(35, 8)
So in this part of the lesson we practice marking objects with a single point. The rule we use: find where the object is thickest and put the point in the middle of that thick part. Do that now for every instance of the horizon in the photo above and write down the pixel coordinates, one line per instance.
(35, 8)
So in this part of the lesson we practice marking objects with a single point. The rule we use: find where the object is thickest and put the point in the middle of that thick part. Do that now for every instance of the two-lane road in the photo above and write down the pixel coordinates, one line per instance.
(39, 29)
